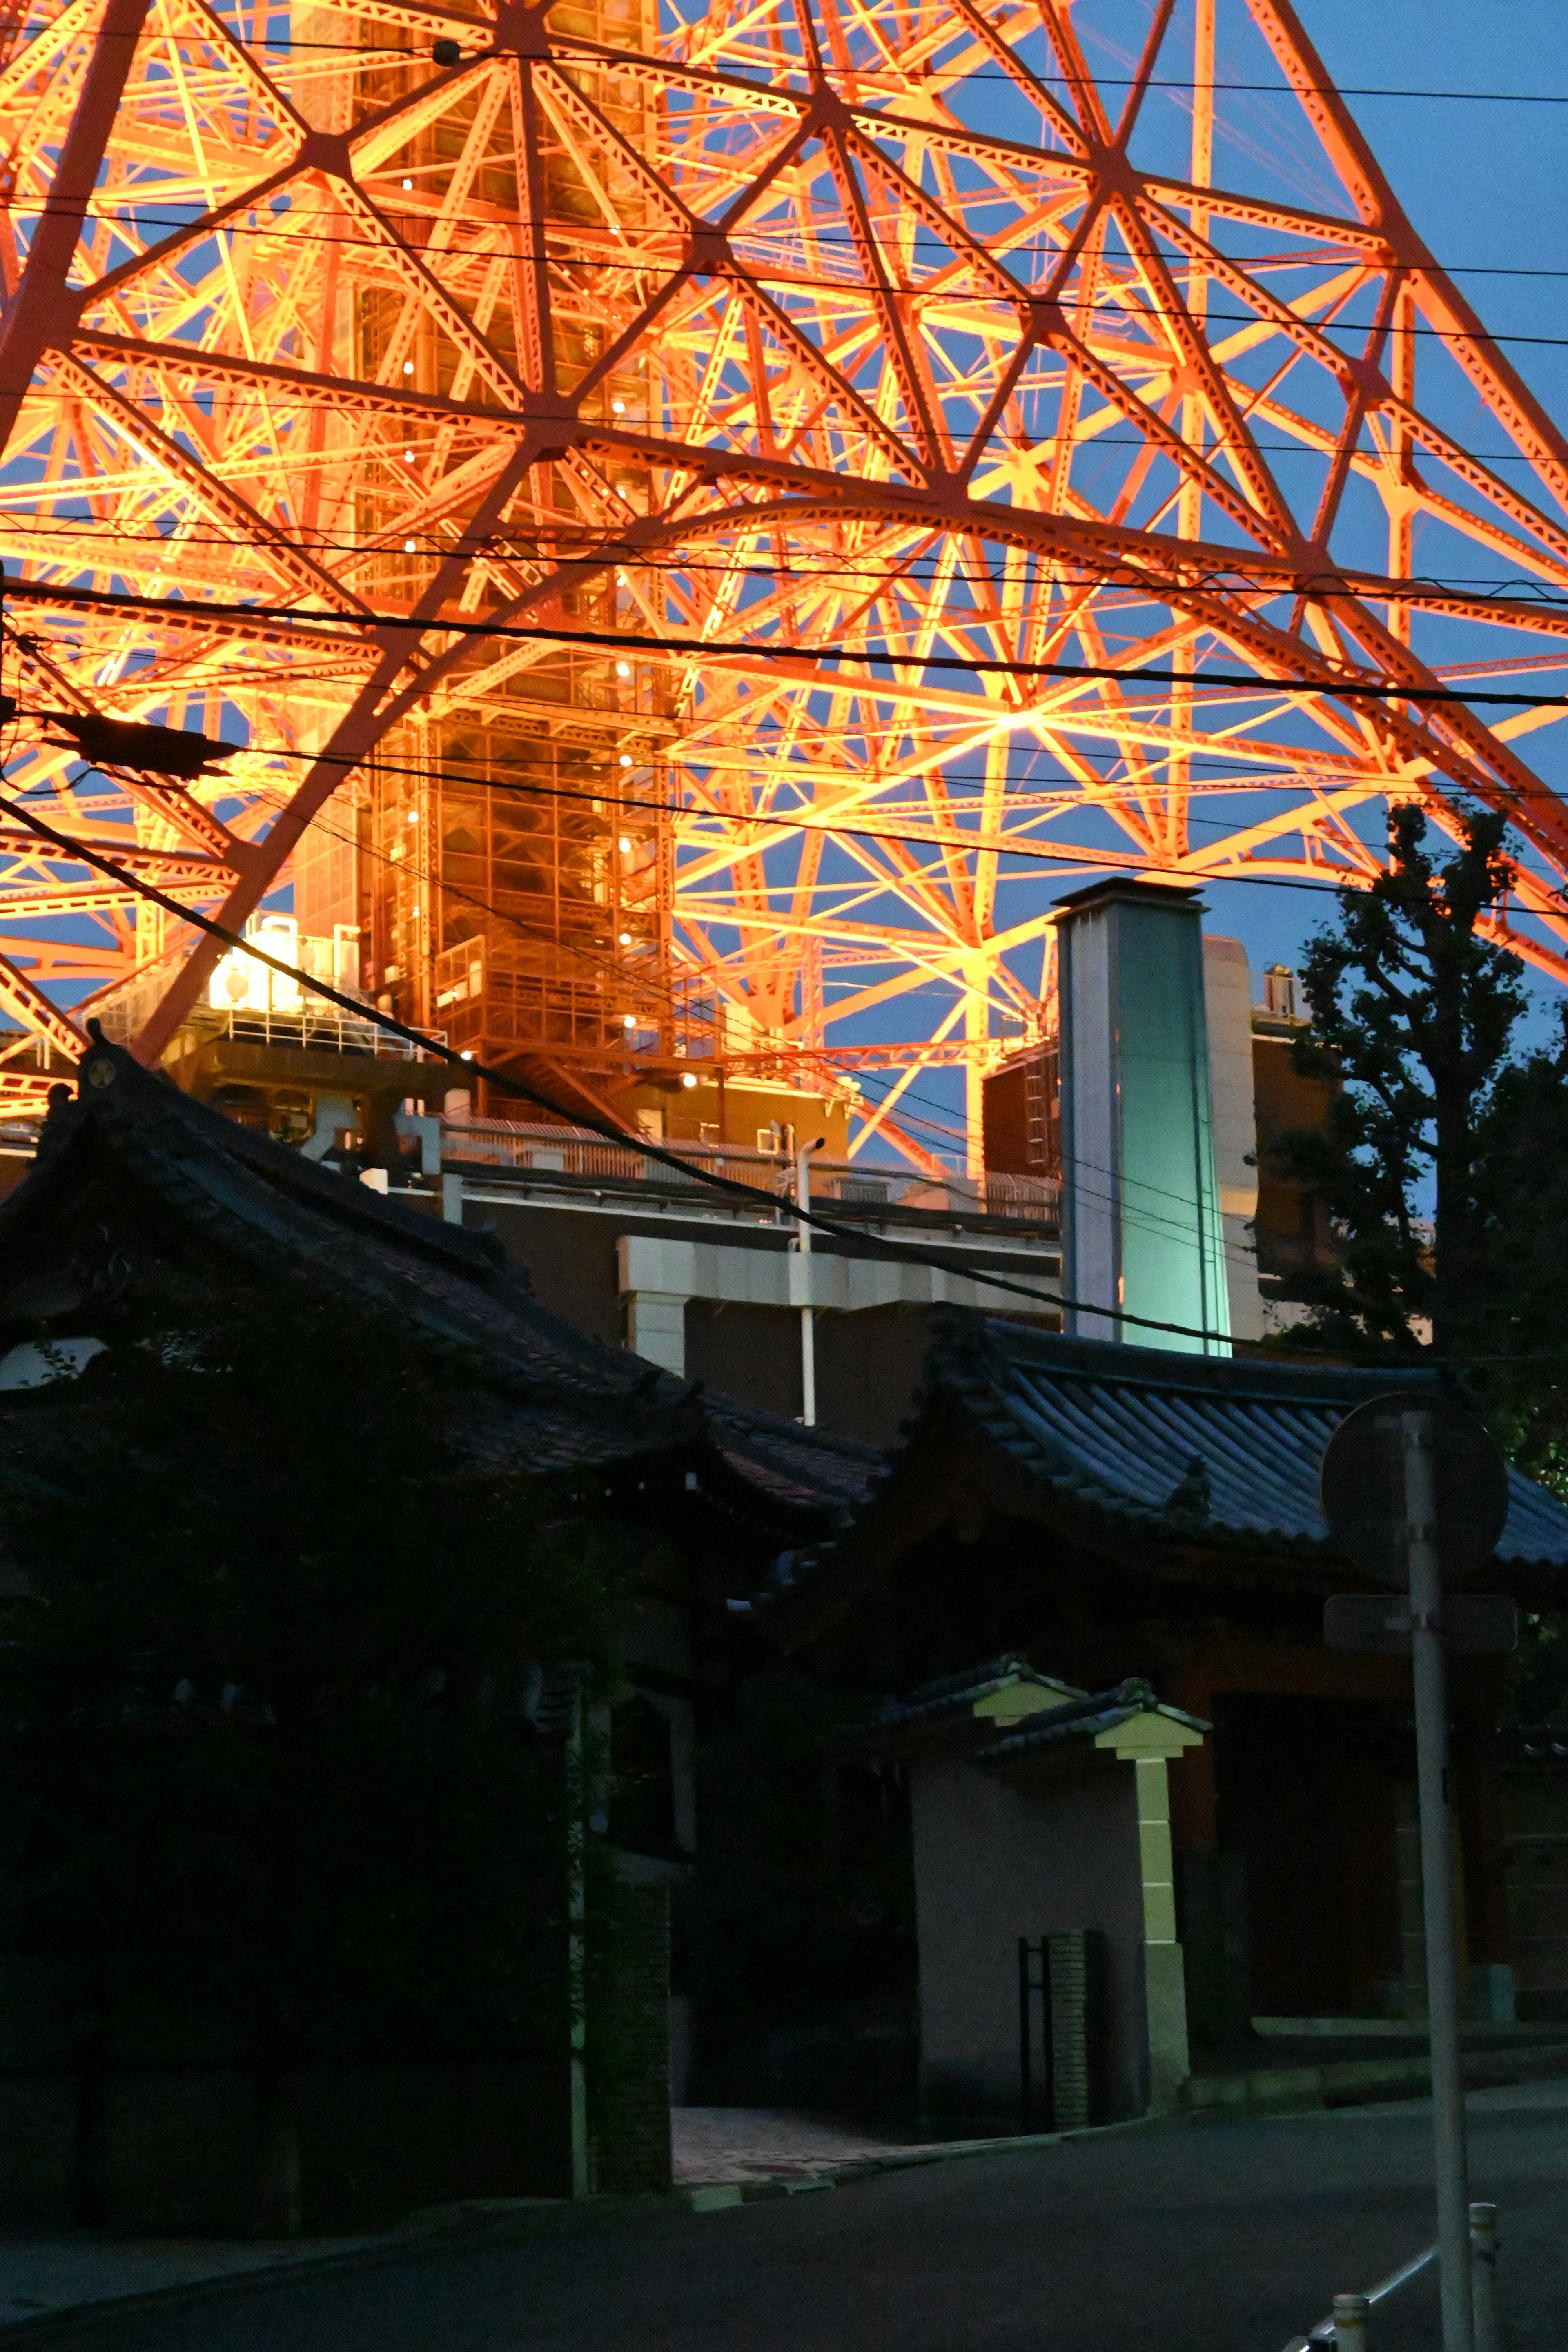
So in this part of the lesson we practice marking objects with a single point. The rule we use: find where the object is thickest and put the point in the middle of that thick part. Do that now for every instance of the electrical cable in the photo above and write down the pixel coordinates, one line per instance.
(605, 967)
(187, 234)
(1347, 684)
(797, 823)
(1112, 81)
(1146, 1219)
(1150, 1219)
(807, 824)
(1042, 796)
(1110, 288)
(389, 53)
(907, 1252)
(394, 53)
(1111, 277)
(1414, 588)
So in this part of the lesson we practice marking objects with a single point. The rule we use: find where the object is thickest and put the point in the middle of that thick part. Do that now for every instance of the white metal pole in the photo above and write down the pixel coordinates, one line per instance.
(576, 1949)
(1483, 2275)
(803, 1244)
(1438, 1879)
(1350, 2315)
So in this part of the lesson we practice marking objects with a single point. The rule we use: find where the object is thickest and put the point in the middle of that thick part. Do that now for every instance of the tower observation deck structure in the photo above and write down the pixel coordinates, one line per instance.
(704, 521)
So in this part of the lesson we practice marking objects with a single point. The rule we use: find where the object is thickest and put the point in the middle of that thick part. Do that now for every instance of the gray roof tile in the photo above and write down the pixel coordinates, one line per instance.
(956, 1694)
(1086, 1718)
(559, 1400)
(1121, 1430)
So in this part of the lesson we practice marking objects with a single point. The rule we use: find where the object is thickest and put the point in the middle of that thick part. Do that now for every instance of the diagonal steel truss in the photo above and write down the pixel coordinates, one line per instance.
(763, 418)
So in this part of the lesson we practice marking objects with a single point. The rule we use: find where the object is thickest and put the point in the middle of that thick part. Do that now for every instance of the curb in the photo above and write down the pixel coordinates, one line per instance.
(713, 2196)
(458, 2232)
(471, 2228)
(1349, 2082)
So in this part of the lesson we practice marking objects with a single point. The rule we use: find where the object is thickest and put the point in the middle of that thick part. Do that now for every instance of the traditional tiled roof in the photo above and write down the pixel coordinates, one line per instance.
(558, 1399)
(956, 1695)
(800, 1466)
(1184, 1448)
(1085, 1717)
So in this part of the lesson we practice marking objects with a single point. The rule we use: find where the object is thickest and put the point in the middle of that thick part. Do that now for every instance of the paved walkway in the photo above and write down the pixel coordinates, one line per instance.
(54, 2271)
(712, 2144)
(57, 2271)
(1212, 2237)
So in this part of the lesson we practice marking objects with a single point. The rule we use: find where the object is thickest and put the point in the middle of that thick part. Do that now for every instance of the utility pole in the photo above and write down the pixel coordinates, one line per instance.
(576, 1928)
(1414, 1491)
(1419, 1432)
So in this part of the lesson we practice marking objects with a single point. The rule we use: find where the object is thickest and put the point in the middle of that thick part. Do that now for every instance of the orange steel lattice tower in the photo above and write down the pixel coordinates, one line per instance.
(703, 528)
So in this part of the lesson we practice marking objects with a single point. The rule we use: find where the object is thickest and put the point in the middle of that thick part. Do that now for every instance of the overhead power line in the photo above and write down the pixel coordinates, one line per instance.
(189, 233)
(881, 1247)
(805, 571)
(1130, 863)
(805, 820)
(1051, 79)
(1147, 1217)
(1350, 683)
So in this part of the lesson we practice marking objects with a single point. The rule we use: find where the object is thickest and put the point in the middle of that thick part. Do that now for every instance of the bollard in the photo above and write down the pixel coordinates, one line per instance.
(1483, 2274)
(1350, 2314)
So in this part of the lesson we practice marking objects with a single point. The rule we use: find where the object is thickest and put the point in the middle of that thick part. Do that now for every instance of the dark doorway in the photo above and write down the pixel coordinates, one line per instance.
(1305, 1791)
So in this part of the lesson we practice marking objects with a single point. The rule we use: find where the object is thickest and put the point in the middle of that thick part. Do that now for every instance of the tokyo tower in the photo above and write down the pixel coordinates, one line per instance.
(700, 525)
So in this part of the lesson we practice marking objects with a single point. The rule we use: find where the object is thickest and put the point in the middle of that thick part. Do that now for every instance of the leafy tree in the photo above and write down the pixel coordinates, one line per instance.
(1412, 1010)
(1522, 1175)
(269, 1775)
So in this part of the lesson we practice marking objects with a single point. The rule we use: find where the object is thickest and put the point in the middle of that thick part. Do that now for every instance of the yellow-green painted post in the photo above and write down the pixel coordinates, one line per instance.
(1147, 1742)
(1164, 1973)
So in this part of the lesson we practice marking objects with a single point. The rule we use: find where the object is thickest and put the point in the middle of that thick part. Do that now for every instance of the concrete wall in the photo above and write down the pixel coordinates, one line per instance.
(571, 1262)
(996, 1859)
(1535, 1827)
(175, 2151)
(752, 1353)
(1228, 1005)
(868, 1364)
(632, 2152)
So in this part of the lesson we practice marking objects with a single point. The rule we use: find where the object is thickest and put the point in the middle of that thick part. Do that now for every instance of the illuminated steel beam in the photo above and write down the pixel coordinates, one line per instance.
(748, 336)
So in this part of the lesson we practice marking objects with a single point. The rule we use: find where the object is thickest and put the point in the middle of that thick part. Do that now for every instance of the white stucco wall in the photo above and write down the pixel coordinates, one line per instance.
(1053, 1847)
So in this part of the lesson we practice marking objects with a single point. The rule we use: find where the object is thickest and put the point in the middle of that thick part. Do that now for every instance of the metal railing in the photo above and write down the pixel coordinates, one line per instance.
(577, 1152)
(1036, 1198)
(1345, 2327)
(325, 1032)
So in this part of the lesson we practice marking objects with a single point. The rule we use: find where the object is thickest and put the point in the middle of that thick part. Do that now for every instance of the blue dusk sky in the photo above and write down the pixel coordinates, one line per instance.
(1484, 185)
(1482, 180)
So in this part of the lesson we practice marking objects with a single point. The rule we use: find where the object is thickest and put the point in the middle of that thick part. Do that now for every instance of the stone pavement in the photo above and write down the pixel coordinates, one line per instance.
(713, 2144)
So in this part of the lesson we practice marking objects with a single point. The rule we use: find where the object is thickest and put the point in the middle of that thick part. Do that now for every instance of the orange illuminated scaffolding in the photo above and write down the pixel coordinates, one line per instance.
(644, 493)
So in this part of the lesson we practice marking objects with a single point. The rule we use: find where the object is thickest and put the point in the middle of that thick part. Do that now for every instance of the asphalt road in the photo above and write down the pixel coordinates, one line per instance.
(1207, 2238)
